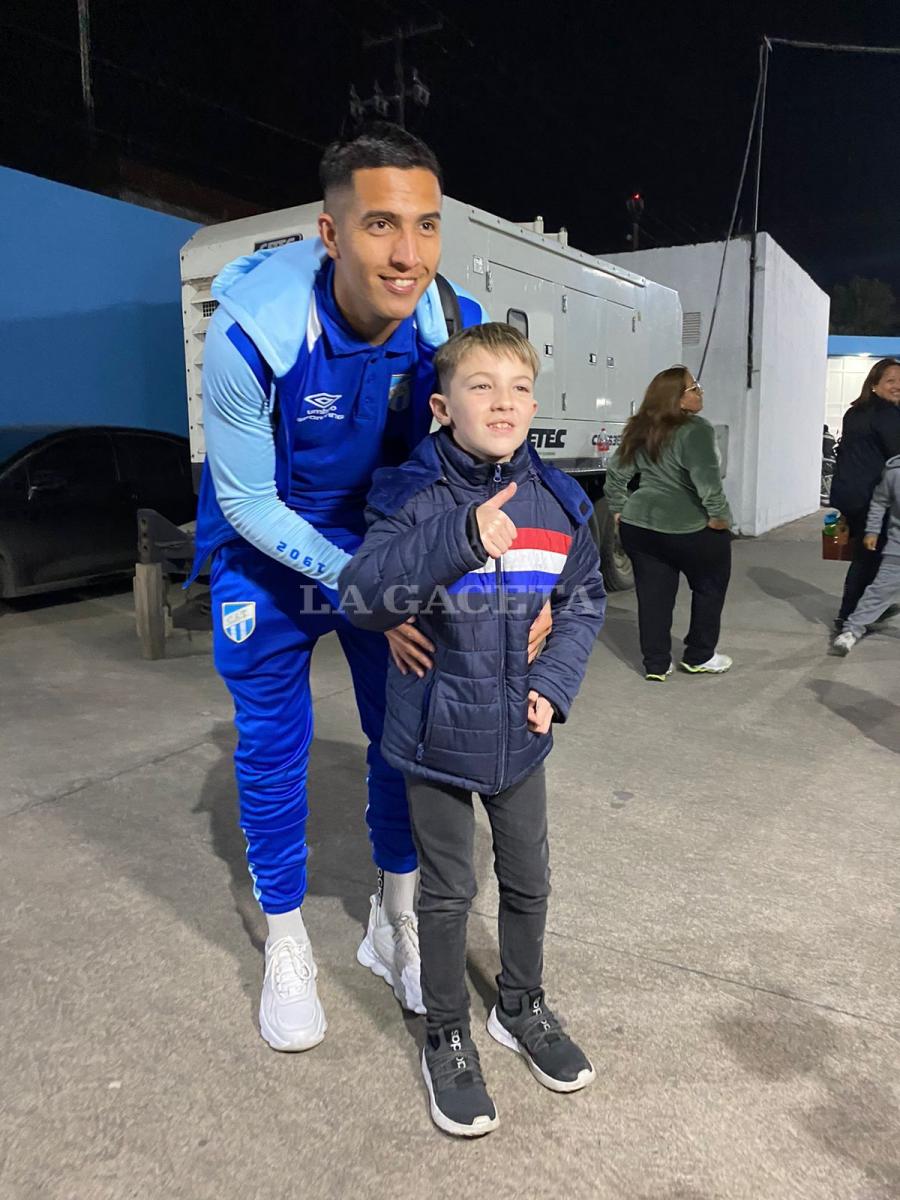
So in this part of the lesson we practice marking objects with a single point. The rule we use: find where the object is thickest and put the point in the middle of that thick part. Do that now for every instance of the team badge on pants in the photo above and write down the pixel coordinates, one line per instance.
(239, 620)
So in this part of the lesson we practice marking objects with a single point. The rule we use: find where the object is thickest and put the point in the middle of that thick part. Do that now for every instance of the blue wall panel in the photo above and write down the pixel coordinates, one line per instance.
(840, 344)
(90, 309)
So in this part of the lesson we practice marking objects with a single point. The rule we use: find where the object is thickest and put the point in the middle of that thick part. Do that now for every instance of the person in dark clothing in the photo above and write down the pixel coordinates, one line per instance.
(473, 535)
(870, 435)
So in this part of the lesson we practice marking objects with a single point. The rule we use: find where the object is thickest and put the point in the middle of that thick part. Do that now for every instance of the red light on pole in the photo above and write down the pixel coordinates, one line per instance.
(635, 206)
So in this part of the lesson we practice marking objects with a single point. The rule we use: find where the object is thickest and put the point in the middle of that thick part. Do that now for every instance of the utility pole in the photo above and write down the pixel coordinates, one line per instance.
(635, 206)
(417, 91)
(764, 52)
(84, 48)
(399, 78)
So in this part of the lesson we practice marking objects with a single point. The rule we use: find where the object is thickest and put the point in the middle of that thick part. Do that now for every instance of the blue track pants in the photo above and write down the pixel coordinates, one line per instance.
(265, 626)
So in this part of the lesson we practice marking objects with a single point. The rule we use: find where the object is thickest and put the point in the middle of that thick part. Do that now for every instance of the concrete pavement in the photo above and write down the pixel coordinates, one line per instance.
(723, 934)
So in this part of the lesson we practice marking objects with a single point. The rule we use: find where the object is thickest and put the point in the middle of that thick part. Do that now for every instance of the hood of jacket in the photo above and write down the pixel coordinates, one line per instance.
(268, 295)
(892, 484)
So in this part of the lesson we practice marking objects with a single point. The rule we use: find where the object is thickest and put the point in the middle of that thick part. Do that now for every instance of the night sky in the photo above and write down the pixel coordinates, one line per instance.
(560, 109)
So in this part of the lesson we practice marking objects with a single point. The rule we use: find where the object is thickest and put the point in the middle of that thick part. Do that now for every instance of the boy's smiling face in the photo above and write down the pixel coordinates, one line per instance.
(488, 405)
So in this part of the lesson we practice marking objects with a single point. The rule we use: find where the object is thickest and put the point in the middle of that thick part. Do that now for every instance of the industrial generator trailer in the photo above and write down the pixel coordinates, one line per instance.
(601, 333)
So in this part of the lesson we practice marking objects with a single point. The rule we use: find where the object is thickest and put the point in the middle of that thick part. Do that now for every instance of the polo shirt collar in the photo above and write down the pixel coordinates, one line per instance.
(342, 340)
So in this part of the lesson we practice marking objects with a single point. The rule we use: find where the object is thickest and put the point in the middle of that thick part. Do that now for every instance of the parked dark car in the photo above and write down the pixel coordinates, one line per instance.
(69, 498)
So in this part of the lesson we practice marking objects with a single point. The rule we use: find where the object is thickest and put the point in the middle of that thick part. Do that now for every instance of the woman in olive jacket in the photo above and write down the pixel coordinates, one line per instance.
(870, 435)
(676, 522)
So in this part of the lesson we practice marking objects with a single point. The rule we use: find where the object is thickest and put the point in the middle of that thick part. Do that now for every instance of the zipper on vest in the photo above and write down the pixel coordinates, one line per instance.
(423, 721)
(501, 632)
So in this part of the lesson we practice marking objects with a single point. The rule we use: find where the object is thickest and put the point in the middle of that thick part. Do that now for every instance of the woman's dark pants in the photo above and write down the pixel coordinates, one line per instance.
(863, 566)
(704, 558)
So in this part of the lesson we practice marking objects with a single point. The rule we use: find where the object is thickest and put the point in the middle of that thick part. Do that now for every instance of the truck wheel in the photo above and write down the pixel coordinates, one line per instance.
(618, 573)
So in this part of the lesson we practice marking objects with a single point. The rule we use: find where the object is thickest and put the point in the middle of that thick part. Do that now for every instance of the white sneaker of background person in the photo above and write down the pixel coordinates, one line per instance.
(717, 665)
(844, 643)
(291, 1016)
(391, 946)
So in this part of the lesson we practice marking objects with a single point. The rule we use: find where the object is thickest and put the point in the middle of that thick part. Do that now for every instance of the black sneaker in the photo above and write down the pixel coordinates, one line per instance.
(536, 1034)
(460, 1103)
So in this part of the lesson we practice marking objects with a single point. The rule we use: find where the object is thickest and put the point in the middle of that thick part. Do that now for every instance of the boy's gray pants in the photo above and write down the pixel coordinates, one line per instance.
(881, 593)
(443, 826)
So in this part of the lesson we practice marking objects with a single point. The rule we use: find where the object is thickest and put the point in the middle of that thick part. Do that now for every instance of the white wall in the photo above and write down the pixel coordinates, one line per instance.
(846, 375)
(791, 358)
(693, 271)
(774, 428)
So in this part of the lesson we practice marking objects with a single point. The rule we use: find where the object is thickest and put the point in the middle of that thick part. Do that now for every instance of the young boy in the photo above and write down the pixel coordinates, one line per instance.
(884, 590)
(471, 536)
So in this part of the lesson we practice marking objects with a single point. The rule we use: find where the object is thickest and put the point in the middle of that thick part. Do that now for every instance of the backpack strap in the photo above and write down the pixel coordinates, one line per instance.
(449, 305)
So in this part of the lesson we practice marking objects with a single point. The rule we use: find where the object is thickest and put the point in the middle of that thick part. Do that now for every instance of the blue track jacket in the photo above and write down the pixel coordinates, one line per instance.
(296, 418)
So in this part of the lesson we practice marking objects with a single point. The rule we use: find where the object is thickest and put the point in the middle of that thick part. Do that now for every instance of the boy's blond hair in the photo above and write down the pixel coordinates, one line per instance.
(496, 337)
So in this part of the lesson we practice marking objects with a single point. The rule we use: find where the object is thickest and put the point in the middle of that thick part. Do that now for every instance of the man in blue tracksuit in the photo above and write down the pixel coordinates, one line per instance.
(317, 371)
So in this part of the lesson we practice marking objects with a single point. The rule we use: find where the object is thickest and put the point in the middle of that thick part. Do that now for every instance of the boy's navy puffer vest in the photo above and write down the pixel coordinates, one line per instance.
(465, 722)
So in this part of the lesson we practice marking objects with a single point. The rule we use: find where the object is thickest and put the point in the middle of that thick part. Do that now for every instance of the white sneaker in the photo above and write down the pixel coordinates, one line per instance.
(291, 1016)
(844, 643)
(716, 665)
(391, 949)
(658, 678)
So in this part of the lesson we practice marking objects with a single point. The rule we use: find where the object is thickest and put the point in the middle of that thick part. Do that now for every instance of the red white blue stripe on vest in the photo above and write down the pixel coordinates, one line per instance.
(533, 563)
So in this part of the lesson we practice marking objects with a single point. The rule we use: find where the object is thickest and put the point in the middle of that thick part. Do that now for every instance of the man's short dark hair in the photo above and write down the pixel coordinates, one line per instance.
(380, 144)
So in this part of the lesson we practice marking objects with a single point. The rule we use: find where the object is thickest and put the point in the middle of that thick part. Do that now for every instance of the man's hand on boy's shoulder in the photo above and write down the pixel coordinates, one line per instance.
(540, 713)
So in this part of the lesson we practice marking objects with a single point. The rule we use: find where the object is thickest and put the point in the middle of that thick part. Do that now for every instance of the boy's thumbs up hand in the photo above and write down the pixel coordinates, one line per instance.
(495, 529)
(502, 497)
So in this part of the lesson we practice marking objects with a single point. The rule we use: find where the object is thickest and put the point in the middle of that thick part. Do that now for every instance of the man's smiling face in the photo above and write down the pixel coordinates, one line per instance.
(384, 234)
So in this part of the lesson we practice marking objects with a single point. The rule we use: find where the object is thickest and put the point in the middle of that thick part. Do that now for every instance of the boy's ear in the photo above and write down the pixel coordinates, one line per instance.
(439, 408)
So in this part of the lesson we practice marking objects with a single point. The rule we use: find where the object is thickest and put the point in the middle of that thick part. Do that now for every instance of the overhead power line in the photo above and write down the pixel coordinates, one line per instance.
(417, 91)
(757, 124)
(129, 141)
(173, 88)
(776, 41)
(734, 213)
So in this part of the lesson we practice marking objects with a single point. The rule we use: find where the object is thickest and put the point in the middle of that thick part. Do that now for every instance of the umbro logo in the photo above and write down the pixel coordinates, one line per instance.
(320, 406)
